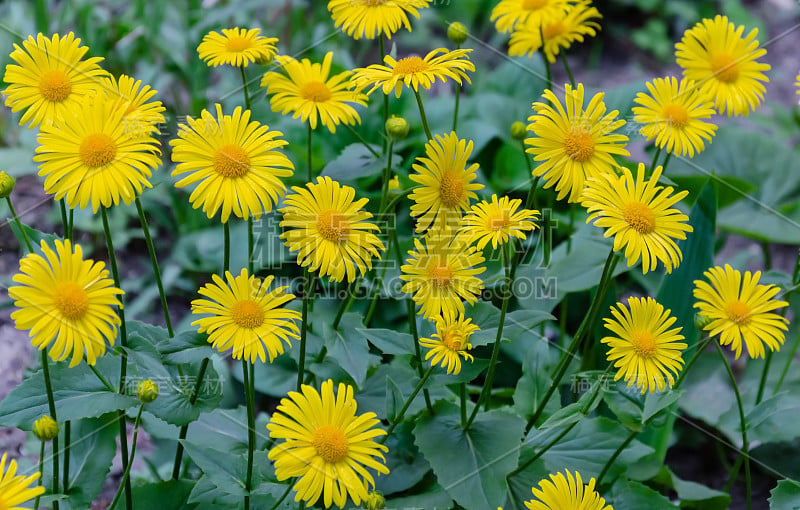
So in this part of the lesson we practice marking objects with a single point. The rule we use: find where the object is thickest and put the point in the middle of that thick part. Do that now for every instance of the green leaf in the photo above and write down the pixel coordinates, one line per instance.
(226, 430)
(785, 496)
(227, 472)
(471, 465)
(516, 324)
(275, 379)
(389, 341)
(356, 162)
(394, 399)
(407, 466)
(348, 348)
(169, 494)
(371, 396)
(695, 495)
(535, 379)
(186, 348)
(628, 495)
(433, 499)
(767, 421)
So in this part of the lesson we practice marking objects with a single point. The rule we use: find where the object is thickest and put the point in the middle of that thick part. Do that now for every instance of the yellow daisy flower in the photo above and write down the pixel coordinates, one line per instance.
(374, 18)
(797, 83)
(497, 221)
(236, 47)
(15, 489)
(643, 348)
(672, 114)
(141, 115)
(328, 448)
(235, 162)
(639, 214)
(440, 273)
(446, 182)
(723, 63)
(413, 72)
(509, 14)
(329, 230)
(573, 143)
(739, 309)
(66, 300)
(90, 156)
(450, 343)
(558, 32)
(50, 77)
(246, 316)
(566, 492)
(310, 93)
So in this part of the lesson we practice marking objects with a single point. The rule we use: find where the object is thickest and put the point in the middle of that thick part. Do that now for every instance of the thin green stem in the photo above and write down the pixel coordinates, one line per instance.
(103, 380)
(151, 250)
(701, 347)
(655, 161)
(308, 153)
(787, 365)
(733, 473)
(40, 16)
(176, 468)
(457, 99)
(51, 403)
(67, 440)
(25, 237)
(362, 140)
(250, 245)
(423, 116)
(382, 48)
(41, 474)
(249, 396)
(763, 382)
(283, 496)
(745, 447)
(387, 176)
(614, 456)
(548, 71)
(64, 221)
(402, 413)
(126, 476)
(226, 260)
(666, 162)
(569, 73)
(244, 88)
(308, 278)
(71, 234)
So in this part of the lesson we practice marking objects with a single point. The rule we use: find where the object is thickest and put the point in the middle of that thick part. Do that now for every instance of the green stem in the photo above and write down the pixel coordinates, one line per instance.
(385, 97)
(345, 304)
(64, 221)
(249, 396)
(571, 80)
(665, 163)
(655, 161)
(387, 176)
(283, 496)
(745, 447)
(25, 237)
(700, 349)
(250, 245)
(462, 391)
(361, 139)
(67, 440)
(308, 278)
(423, 116)
(226, 260)
(308, 153)
(548, 71)
(126, 476)
(176, 468)
(103, 380)
(614, 456)
(41, 475)
(154, 262)
(244, 88)
(787, 365)
(71, 232)
(457, 99)
(763, 382)
(42, 22)
(51, 402)
(402, 413)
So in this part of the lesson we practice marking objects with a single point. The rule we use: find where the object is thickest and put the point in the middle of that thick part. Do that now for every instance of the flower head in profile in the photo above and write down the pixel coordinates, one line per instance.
(445, 181)
(141, 114)
(740, 310)
(327, 447)
(310, 93)
(374, 18)
(15, 490)
(67, 301)
(91, 156)
(558, 33)
(642, 347)
(415, 72)
(497, 221)
(724, 64)
(330, 230)
(440, 273)
(236, 47)
(797, 83)
(450, 343)
(573, 143)
(673, 114)
(511, 14)
(564, 491)
(50, 77)
(235, 164)
(638, 213)
(244, 315)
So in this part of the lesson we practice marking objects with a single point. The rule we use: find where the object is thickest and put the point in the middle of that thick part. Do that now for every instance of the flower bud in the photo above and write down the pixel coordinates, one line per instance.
(519, 130)
(701, 321)
(457, 33)
(394, 184)
(6, 185)
(45, 428)
(147, 391)
(374, 501)
(397, 127)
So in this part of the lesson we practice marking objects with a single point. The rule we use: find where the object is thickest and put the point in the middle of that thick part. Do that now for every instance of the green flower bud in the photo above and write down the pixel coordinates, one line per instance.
(397, 127)
(147, 391)
(701, 321)
(6, 185)
(457, 33)
(45, 428)
(519, 130)
(374, 501)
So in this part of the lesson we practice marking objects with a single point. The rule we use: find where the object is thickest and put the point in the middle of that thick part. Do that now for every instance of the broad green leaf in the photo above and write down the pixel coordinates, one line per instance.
(694, 495)
(785, 496)
(389, 341)
(356, 162)
(228, 472)
(371, 396)
(516, 324)
(535, 379)
(435, 498)
(226, 429)
(767, 421)
(349, 348)
(407, 466)
(628, 495)
(471, 465)
(187, 347)
(275, 379)
(169, 494)
(394, 399)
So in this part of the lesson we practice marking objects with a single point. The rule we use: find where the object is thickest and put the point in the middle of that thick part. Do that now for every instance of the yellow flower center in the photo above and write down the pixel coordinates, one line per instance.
(738, 312)
(97, 149)
(315, 91)
(330, 444)
(499, 222)
(640, 217)
(332, 225)
(71, 300)
(725, 68)
(238, 43)
(552, 30)
(54, 85)
(644, 343)
(452, 340)
(452, 189)
(231, 161)
(441, 276)
(247, 314)
(579, 145)
(533, 5)
(676, 115)
(409, 65)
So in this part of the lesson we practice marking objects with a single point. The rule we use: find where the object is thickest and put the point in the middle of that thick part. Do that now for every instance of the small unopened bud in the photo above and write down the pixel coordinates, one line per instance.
(147, 391)
(397, 127)
(374, 501)
(519, 130)
(394, 184)
(6, 185)
(45, 428)
(701, 321)
(457, 33)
